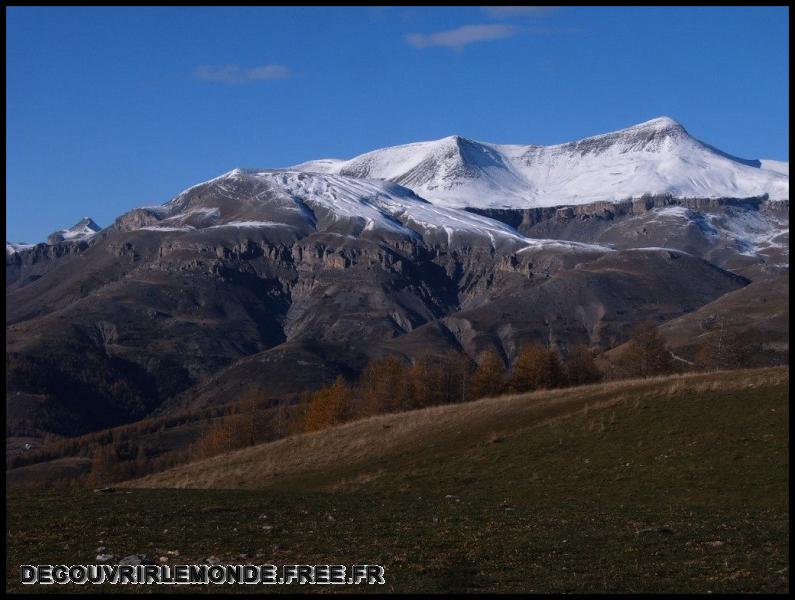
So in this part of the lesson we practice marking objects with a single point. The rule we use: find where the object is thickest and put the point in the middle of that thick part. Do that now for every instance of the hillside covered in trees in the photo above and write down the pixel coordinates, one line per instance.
(386, 385)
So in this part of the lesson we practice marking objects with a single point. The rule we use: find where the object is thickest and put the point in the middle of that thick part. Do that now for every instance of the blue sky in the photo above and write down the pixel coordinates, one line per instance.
(108, 109)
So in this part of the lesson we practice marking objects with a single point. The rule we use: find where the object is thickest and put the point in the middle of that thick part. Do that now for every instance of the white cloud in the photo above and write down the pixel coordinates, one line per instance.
(505, 12)
(460, 37)
(236, 74)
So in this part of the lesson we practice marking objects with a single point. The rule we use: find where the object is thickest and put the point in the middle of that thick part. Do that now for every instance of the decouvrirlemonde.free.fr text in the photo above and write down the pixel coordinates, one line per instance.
(201, 574)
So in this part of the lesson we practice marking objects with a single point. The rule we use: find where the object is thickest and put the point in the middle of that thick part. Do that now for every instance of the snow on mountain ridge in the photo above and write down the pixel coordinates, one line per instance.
(779, 166)
(657, 157)
(15, 247)
(306, 201)
(82, 230)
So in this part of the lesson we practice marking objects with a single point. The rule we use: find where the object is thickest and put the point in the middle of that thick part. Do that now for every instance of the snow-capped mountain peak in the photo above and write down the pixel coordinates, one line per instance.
(659, 124)
(82, 230)
(662, 122)
(657, 156)
(657, 135)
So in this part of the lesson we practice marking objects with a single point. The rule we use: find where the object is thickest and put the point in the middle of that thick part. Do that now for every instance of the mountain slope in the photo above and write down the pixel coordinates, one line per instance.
(655, 157)
(753, 321)
(284, 279)
(296, 203)
(405, 446)
(749, 237)
(280, 280)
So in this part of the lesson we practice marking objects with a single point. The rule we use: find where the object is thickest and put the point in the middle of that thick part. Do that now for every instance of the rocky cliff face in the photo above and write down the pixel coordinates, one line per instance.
(153, 322)
(27, 265)
(750, 235)
(524, 219)
(282, 280)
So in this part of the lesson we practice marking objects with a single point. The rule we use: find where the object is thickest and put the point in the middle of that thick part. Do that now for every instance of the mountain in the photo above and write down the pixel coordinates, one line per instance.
(655, 157)
(84, 229)
(748, 236)
(279, 280)
(81, 231)
(293, 204)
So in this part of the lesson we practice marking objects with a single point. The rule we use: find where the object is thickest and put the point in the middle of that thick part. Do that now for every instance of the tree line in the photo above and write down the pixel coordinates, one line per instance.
(389, 384)
(386, 385)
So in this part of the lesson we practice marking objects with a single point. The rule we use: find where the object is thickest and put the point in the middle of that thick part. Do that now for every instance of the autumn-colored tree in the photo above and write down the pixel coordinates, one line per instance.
(580, 367)
(426, 381)
(536, 368)
(489, 376)
(329, 406)
(103, 463)
(299, 413)
(249, 424)
(219, 438)
(647, 354)
(457, 369)
(240, 424)
(382, 387)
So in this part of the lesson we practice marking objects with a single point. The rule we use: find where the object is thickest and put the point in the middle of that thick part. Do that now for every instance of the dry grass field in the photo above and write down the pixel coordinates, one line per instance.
(345, 456)
(673, 484)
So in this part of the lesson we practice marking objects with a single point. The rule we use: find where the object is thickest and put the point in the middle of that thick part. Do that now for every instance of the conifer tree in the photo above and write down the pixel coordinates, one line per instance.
(426, 380)
(329, 406)
(536, 368)
(489, 376)
(382, 387)
(580, 367)
(103, 463)
(456, 372)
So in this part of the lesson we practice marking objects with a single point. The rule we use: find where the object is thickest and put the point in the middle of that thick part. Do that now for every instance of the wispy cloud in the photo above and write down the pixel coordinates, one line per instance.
(460, 37)
(552, 30)
(506, 12)
(237, 74)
